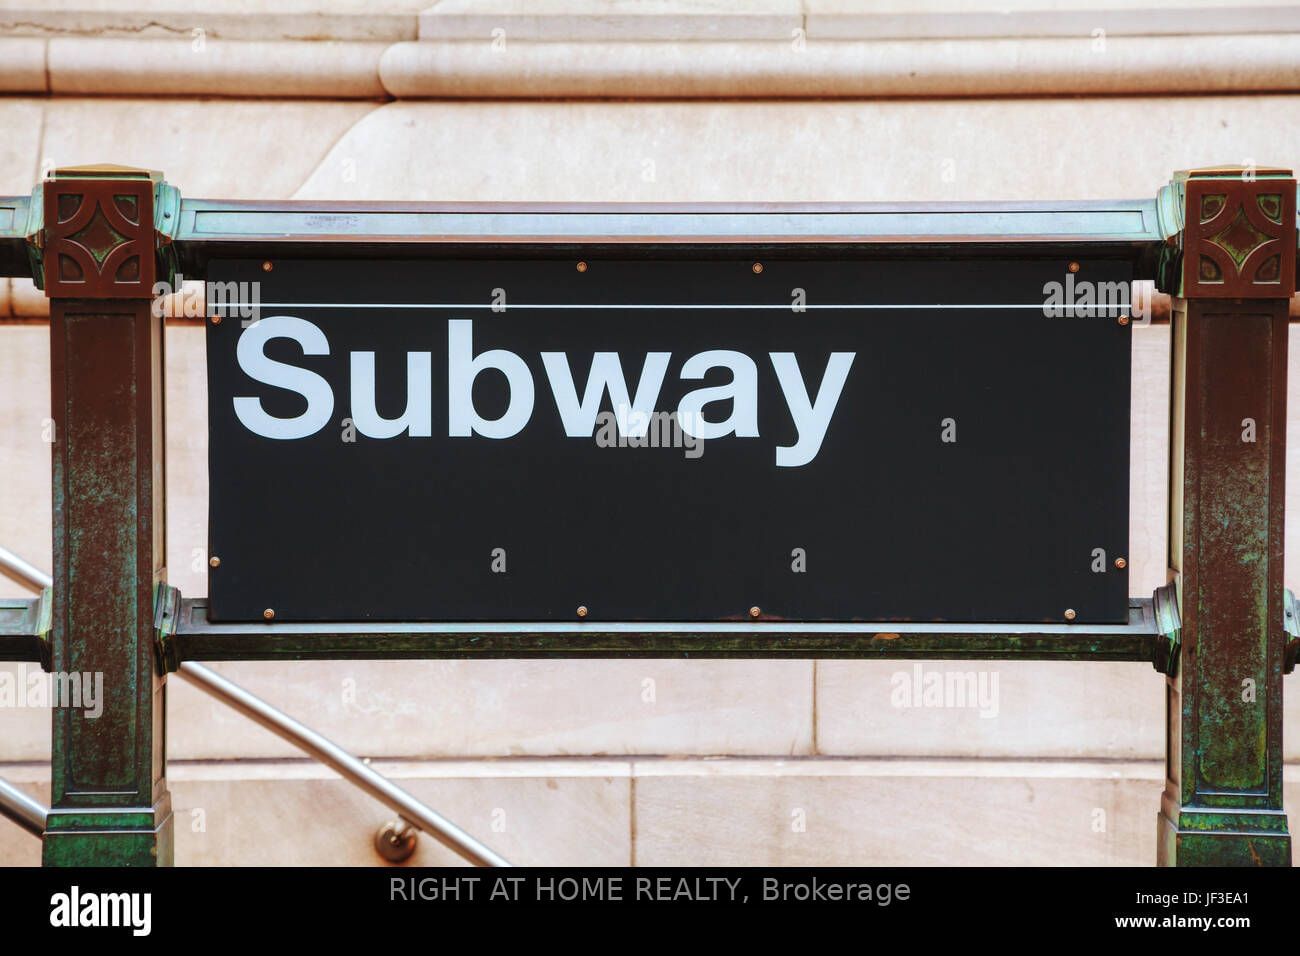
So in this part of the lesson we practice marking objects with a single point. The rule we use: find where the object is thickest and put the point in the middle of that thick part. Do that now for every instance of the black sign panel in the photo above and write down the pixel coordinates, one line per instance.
(670, 438)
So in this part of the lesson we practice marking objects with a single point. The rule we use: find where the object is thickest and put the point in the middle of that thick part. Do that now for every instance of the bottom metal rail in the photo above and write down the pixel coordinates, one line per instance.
(191, 635)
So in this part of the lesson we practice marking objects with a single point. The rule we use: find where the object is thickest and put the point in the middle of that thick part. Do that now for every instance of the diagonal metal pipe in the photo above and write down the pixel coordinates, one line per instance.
(29, 814)
(16, 805)
(28, 575)
(349, 767)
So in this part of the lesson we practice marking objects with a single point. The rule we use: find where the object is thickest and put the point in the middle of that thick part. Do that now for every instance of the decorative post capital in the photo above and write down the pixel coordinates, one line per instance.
(99, 239)
(1238, 232)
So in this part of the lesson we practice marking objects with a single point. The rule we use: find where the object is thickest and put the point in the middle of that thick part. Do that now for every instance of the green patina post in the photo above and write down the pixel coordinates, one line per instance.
(1222, 803)
(97, 249)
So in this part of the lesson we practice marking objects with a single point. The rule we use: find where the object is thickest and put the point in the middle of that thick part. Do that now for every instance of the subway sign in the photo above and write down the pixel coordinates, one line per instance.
(684, 435)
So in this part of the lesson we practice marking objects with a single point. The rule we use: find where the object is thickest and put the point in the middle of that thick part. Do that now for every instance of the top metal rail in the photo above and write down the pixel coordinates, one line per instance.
(1123, 221)
(194, 231)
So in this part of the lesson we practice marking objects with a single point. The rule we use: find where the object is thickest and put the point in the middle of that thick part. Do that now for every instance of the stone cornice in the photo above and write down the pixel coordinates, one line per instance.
(353, 49)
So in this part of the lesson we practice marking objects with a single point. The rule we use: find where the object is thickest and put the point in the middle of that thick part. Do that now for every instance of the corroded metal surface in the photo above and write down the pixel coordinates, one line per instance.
(15, 244)
(197, 638)
(110, 804)
(98, 238)
(24, 629)
(1239, 238)
(1223, 796)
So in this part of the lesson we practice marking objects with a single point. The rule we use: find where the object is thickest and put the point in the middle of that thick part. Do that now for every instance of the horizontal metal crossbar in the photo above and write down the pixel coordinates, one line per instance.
(21, 627)
(194, 231)
(196, 638)
(208, 229)
(1118, 221)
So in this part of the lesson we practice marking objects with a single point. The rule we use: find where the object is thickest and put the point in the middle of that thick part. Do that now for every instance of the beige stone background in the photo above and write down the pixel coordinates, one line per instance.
(645, 762)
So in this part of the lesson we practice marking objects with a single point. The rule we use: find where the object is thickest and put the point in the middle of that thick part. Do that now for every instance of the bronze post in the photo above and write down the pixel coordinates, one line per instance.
(110, 804)
(1222, 803)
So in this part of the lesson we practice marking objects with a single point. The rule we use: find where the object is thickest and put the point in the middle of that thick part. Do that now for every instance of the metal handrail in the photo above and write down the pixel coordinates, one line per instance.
(16, 805)
(347, 766)
(23, 810)
(28, 575)
(30, 814)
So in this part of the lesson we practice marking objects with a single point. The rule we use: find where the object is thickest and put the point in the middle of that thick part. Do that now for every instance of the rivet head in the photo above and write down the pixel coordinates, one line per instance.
(216, 320)
(1074, 267)
(1123, 320)
(582, 267)
(582, 610)
(267, 266)
(214, 562)
(757, 267)
(755, 611)
(1070, 615)
(269, 613)
(1121, 563)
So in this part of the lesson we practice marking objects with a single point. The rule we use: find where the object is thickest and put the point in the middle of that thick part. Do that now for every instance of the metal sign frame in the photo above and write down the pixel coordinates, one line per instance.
(1222, 241)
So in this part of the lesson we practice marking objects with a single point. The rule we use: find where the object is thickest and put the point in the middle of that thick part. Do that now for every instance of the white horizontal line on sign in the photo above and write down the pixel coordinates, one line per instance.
(686, 306)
